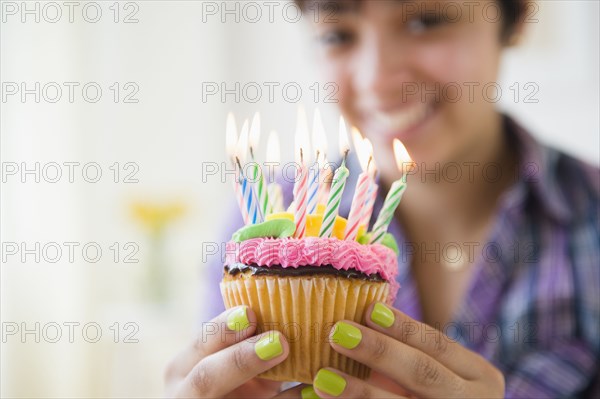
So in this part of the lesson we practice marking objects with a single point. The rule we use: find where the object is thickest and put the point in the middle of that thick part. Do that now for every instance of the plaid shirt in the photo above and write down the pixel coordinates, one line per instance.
(532, 307)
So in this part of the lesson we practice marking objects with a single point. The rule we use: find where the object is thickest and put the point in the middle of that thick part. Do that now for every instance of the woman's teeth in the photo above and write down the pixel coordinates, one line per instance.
(400, 121)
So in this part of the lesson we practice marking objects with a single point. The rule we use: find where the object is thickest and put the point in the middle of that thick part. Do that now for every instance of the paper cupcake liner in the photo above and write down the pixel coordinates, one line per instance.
(304, 309)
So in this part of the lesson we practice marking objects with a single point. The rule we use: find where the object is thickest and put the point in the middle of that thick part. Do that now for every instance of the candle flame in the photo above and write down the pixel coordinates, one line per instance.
(373, 167)
(302, 143)
(254, 136)
(273, 148)
(357, 140)
(324, 146)
(323, 161)
(319, 139)
(242, 144)
(403, 160)
(231, 135)
(363, 148)
(343, 137)
(368, 148)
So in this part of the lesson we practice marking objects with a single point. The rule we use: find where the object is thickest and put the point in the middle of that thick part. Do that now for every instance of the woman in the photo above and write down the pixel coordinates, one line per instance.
(500, 234)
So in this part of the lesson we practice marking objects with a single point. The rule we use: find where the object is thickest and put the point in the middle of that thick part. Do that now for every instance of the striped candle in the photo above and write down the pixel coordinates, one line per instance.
(368, 209)
(324, 187)
(250, 201)
(273, 159)
(237, 188)
(364, 151)
(335, 197)
(301, 200)
(275, 198)
(313, 188)
(358, 202)
(248, 198)
(231, 141)
(302, 145)
(319, 141)
(392, 200)
(324, 190)
(393, 197)
(261, 191)
(258, 178)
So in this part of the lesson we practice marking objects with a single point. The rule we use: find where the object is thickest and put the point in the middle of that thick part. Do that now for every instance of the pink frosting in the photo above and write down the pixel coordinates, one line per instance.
(317, 251)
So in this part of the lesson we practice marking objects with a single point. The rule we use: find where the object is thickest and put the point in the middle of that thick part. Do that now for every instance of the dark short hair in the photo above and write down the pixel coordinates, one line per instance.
(512, 12)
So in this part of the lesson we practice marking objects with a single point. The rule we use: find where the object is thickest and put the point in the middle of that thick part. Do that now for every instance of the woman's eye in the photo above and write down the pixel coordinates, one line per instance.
(425, 22)
(335, 38)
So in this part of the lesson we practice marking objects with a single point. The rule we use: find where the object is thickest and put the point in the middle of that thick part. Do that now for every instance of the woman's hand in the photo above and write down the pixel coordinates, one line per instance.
(225, 359)
(418, 360)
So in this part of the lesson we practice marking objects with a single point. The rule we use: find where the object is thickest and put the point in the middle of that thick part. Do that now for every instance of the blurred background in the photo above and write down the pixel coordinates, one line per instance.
(104, 209)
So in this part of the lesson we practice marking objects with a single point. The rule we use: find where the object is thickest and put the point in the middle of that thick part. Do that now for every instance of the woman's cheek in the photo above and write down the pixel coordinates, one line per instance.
(338, 74)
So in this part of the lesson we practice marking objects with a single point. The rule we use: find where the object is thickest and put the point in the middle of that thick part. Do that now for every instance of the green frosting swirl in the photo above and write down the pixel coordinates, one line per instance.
(388, 241)
(276, 228)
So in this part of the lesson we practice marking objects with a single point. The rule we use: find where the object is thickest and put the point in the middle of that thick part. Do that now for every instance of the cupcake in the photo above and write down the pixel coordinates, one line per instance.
(302, 287)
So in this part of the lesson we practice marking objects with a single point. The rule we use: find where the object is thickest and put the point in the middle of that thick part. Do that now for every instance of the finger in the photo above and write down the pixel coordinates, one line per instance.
(425, 338)
(258, 387)
(224, 371)
(416, 371)
(228, 328)
(299, 391)
(332, 383)
(384, 382)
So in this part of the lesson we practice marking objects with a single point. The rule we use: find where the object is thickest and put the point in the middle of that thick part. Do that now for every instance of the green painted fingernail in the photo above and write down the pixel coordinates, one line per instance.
(382, 315)
(237, 319)
(309, 393)
(329, 382)
(269, 346)
(346, 335)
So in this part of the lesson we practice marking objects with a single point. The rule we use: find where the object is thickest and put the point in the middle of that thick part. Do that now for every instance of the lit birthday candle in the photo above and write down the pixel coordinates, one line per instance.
(274, 158)
(365, 155)
(231, 138)
(371, 198)
(258, 177)
(337, 185)
(373, 187)
(326, 179)
(318, 139)
(392, 200)
(301, 185)
(324, 167)
(249, 200)
(326, 174)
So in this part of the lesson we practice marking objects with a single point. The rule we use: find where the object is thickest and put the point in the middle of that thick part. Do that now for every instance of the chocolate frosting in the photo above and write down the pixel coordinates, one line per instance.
(277, 270)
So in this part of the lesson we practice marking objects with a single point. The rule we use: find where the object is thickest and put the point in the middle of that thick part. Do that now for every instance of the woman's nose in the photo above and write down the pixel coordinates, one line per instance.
(382, 67)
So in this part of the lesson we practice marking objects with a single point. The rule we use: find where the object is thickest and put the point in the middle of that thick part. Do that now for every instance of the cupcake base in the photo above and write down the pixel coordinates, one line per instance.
(304, 309)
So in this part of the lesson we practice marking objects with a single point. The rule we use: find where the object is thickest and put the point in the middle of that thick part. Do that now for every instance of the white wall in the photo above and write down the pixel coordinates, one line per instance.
(169, 133)
(559, 54)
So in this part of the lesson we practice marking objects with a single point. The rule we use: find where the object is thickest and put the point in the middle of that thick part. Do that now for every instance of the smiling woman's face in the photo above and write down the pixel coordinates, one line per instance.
(415, 71)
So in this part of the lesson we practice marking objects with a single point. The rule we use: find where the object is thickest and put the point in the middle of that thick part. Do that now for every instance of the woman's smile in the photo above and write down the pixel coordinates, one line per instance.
(404, 123)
